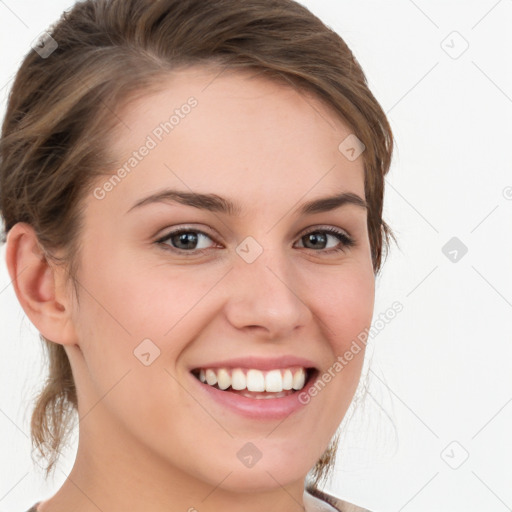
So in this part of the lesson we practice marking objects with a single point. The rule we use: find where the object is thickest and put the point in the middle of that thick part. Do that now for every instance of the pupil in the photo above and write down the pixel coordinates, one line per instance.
(316, 238)
(190, 236)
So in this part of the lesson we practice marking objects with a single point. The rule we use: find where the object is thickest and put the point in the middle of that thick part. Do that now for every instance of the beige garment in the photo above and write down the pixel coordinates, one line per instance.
(321, 501)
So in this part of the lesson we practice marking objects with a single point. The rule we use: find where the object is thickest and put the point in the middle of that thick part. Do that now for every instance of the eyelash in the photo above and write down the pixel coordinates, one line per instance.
(346, 241)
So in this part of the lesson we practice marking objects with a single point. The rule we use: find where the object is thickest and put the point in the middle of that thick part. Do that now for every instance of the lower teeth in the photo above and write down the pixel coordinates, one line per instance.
(257, 394)
(260, 395)
(265, 395)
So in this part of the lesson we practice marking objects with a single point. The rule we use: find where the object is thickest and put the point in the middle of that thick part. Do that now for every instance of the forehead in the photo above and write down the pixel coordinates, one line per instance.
(234, 133)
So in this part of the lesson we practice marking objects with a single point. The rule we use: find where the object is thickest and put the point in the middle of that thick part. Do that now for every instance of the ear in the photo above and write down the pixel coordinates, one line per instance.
(39, 286)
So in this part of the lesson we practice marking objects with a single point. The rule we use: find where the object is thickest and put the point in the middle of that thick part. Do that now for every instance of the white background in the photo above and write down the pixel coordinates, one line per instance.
(440, 380)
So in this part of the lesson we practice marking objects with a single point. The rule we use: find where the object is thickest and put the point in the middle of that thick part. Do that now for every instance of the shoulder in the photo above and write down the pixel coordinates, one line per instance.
(316, 500)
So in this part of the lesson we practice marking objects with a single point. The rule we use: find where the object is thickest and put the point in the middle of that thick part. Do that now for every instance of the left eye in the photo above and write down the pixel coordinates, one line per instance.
(321, 236)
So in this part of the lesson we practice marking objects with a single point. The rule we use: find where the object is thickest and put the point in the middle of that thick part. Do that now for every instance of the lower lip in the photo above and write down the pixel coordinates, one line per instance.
(254, 408)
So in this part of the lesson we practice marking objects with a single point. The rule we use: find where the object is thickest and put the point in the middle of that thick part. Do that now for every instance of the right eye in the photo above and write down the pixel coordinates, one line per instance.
(185, 241)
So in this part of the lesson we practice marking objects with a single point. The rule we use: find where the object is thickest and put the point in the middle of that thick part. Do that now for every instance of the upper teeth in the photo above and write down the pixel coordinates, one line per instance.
(254, 380)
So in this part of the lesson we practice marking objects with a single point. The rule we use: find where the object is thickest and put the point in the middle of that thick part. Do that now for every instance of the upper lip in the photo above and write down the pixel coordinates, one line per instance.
(259, 363)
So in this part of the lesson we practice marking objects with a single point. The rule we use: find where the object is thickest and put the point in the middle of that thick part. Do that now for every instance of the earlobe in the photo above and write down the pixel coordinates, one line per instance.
(37, 285)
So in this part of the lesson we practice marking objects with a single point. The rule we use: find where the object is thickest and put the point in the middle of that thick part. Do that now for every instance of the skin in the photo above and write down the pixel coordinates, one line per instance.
(147, 439)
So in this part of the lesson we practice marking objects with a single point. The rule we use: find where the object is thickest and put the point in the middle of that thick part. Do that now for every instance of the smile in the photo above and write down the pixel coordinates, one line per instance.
(256, 394)
(284, 381)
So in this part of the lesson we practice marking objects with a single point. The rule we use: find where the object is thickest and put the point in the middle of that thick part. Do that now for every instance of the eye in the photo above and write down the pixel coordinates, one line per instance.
(185, 240)
(318, 239)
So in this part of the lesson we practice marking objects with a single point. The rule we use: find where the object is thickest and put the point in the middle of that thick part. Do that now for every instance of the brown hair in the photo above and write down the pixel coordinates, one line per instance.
(61, 109)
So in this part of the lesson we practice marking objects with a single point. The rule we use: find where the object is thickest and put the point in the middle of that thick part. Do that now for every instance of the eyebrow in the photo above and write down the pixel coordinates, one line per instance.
(215, 203)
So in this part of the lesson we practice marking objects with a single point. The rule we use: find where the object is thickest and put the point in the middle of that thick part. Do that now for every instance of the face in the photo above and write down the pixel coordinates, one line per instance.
(172, 284)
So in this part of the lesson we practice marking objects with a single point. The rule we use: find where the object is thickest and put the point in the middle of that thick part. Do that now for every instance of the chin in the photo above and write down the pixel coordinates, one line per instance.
(271, 471)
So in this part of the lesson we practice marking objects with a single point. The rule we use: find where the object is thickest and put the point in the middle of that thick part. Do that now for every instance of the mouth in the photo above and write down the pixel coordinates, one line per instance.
(257, 384)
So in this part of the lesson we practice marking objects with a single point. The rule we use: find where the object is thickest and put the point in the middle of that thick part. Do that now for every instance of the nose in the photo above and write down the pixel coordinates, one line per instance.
(265, 297)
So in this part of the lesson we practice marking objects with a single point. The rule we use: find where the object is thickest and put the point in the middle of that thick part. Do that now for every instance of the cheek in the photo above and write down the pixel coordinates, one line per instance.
(129, 298)
(139, 318)
(130, 315)
(345, 303)
(344, 310)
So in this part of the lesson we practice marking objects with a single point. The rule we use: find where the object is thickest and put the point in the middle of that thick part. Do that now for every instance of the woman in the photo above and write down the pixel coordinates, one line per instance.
(192, 196)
